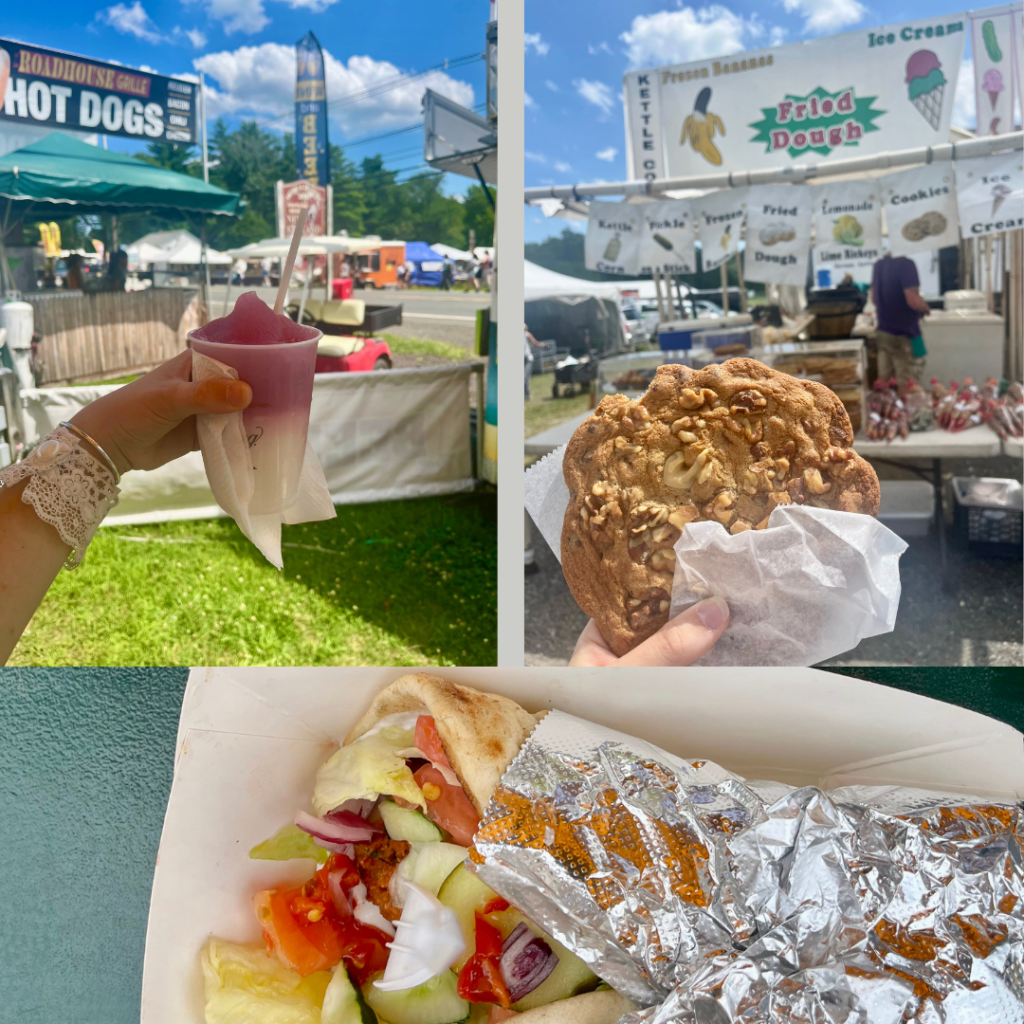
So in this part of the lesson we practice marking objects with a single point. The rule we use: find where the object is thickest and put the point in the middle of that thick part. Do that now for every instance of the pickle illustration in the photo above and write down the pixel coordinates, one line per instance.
(611, 252)
(988, 33)
(662, 241)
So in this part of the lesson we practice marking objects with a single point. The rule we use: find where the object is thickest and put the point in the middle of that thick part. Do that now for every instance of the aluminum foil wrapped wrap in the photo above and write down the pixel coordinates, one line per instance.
(709, 899)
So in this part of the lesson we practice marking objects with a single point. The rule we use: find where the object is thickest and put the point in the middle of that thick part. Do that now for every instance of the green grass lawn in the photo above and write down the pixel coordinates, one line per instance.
(543, 411)
(392, 583)
(424, 347)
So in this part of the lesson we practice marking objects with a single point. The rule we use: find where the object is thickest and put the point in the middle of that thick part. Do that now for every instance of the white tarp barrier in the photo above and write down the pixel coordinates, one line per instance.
(854, 94)
(778, 234)
(995, 84)
(990, 194)
(719, 218)
(612, 244)
(920, 208)
(847, 231)
(666, 244)
(379, 437)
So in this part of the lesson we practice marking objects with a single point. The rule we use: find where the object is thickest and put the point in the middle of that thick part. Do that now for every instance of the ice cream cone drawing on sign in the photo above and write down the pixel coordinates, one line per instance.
(5, 73)
(999, 194)
(992, 85)
(699, 128)
(926, 85)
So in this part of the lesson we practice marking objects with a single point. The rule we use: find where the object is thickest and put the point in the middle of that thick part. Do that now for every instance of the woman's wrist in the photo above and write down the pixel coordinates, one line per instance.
(97, 437)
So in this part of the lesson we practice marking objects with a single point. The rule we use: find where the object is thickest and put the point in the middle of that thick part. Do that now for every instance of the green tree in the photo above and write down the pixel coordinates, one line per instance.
(173, 156)
(349, 198)
(478, 214)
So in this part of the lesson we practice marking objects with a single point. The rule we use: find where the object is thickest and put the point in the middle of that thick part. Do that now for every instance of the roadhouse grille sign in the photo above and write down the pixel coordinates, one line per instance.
(46, 87)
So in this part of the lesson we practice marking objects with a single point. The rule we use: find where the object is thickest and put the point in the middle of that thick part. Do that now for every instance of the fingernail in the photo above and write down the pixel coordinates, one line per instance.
(237, 393)
(713, 612)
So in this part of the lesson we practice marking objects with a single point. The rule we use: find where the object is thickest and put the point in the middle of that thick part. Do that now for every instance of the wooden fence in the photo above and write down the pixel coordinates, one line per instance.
(89, 337)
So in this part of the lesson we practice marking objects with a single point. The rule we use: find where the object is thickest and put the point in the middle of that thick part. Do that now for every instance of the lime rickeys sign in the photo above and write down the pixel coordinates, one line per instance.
(821, 121)
(858, 93)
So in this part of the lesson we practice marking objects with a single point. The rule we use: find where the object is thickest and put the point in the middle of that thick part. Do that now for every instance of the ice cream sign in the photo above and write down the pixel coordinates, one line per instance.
(821, 121)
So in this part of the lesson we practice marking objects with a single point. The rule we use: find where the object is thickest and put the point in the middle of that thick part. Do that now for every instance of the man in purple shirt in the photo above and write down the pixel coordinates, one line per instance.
(896, 293)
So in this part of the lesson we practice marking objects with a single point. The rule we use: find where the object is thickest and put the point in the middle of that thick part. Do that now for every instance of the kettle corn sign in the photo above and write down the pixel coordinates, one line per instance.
(846, 95)
(49, 88)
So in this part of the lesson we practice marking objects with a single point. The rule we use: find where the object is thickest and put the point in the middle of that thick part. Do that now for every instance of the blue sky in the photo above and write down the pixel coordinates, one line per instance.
(576, 55)
(245, 47)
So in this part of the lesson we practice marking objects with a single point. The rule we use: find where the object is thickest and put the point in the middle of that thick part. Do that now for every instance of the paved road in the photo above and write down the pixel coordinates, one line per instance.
(441, 316)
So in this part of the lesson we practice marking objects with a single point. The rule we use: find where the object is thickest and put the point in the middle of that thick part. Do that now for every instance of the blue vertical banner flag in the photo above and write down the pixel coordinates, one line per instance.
(312, 153)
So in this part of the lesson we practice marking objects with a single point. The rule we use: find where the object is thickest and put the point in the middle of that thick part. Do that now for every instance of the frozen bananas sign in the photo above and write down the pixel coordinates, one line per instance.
(613, 238)
(920, 208)
(847, 231)
(48, 88)
(990, 194)
(833, 97)
(719, 219)
(778, 234)
(666, 242)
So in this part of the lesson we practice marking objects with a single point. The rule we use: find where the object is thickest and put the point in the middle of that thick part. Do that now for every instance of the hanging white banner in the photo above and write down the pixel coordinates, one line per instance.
(719, 219)
(920, 208)
(990, 194)
(666, 243)
(778, 234)
(992, 47)
(847, 231)
(612, 244)
(848, 95)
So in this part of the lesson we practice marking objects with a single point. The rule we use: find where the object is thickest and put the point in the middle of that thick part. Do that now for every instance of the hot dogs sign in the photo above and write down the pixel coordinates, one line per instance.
(49, 88)
(833, 97)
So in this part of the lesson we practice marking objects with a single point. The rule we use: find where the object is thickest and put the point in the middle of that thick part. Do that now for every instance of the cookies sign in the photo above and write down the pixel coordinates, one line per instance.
(920, 208)
(778, 234)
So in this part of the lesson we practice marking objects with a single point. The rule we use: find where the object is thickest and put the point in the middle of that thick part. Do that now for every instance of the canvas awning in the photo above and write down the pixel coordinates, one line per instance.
(173, 247)
(60, 171)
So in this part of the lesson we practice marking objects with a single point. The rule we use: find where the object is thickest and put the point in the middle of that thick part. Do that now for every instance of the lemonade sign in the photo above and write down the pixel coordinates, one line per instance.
(820, 121)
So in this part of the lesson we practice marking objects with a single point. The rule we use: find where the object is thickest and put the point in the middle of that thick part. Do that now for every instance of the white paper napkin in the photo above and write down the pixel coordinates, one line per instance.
(812, 585)
(225, 449)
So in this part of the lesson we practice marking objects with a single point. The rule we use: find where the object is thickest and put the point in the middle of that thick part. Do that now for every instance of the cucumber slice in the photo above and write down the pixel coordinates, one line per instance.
(343, 1002)
(465, 893)
(428, 865)
(405, 823)
(434, 1002)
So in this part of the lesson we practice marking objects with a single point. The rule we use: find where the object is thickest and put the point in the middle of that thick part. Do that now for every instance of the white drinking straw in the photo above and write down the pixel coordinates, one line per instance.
(289, 263)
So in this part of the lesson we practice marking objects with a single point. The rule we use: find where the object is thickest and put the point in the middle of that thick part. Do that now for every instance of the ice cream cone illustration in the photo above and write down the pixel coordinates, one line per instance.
(999, 194)
(926, 85)
(992, 84)
(700, 127)
(5, 73)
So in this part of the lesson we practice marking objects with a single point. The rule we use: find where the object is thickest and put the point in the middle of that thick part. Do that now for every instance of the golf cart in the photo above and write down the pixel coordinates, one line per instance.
(348, 344)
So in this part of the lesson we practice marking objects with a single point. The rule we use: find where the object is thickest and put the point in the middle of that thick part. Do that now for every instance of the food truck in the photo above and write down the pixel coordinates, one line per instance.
(378, 267)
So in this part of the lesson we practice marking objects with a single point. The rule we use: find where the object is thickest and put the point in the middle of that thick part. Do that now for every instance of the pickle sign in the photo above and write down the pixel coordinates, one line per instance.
(821, 121)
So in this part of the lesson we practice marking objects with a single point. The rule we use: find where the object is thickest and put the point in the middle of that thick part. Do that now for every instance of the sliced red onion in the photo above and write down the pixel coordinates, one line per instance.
(338, 895)
(526, 960)
(344, 848)
(349, 819)
(360, 807)
(332, 832)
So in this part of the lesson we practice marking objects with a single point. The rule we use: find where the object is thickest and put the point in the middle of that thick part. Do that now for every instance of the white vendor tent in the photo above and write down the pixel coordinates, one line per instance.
(174, 248)
(540, 283)
(451, 252)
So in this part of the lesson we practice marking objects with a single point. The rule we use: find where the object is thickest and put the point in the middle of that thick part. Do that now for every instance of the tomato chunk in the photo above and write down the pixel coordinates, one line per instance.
(428, 740)
(481, 981)
(448, 807)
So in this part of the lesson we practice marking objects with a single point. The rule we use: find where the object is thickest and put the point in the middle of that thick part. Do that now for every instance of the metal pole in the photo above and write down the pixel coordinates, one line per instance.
(739, 280)
(202, 114)
(305, 288)
(725, 288)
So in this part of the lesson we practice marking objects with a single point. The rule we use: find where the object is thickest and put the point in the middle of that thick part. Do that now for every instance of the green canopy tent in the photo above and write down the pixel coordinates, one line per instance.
(63, 176)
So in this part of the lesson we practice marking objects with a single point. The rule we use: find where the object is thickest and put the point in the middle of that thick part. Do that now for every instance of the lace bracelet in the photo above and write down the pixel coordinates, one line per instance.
(67, 488)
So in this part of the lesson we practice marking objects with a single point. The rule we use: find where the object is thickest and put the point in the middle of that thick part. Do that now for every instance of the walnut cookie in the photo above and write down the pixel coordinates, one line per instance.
(727, 443)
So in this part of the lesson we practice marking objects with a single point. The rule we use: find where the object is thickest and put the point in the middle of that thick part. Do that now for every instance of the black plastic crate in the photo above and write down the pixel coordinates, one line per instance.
(989, 515)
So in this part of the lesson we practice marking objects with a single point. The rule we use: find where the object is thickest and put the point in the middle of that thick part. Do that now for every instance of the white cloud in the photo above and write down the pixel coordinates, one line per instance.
(778, 36)
(196, 38)
(600, 48)
(608, 154)
(965, 111)
(533, 39)
(595, 92)
(537, 158)
(827, 15)
(261, 80)
(562, 167)
(673, 37)
(133, 21)
(529, 100)
(237, 15)
(551, 85)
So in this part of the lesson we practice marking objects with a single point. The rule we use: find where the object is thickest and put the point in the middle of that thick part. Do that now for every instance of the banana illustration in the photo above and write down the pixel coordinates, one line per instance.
(700, 127)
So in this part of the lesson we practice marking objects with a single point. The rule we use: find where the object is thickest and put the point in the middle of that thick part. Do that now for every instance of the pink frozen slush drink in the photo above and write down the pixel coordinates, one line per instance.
(276, 358)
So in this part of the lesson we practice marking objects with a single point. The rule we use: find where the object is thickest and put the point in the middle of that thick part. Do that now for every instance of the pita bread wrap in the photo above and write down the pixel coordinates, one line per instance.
(481, 732)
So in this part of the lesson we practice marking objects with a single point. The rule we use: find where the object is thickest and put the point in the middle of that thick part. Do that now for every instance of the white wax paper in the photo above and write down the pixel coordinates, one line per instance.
(810, 586)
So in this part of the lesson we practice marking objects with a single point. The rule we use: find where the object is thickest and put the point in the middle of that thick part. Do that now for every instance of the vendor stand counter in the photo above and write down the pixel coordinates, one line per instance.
(934, 446)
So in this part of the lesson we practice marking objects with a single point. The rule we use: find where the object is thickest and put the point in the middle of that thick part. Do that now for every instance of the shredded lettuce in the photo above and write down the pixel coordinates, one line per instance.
(245, 986)
(289, 843)
(364, 770)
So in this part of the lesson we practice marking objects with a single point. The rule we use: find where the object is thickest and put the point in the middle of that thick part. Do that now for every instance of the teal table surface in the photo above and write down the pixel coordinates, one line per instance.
(86, 759)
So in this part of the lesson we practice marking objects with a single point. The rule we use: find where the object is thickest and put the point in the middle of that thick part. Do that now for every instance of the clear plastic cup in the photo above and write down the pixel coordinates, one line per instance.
(277, 420)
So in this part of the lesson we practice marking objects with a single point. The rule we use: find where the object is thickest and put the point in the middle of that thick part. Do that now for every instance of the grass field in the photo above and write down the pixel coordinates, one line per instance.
(393, 583)
(424, 347)
(543, 411)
